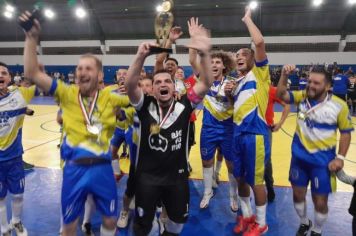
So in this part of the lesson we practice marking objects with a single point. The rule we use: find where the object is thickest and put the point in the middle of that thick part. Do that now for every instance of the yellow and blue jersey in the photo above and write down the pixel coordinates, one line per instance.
(12, 113)
(217, 108)
(251, 99)
(315, 138)
(79, 142)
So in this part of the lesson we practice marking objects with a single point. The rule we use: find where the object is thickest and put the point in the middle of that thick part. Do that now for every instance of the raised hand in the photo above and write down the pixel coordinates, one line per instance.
(193, 24)
(144, 49)
(288, 69)
(200, 39)
(34, 32)
(175, 33)
(247, 15)
(229, 88)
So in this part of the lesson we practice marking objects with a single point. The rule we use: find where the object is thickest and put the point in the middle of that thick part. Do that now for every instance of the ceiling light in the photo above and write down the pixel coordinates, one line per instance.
(352, 2)
(49, 13)
(8, 14)
(253, 5)
(9, 8)
(317, 3)
(80, 12)
(159, 8)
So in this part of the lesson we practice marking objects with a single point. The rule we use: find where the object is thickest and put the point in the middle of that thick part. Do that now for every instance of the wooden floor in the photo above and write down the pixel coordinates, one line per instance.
(41, 136)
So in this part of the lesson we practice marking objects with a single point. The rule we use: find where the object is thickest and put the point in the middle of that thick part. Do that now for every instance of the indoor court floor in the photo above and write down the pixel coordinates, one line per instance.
(42, 193)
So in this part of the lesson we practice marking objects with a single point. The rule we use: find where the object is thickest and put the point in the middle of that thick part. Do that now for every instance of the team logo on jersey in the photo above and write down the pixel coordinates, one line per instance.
(4, 119)
(140, 211)
(13, 102)
(158, 142)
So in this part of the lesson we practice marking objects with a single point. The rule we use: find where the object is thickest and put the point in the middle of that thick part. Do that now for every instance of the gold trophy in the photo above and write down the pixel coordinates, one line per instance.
(163, 24)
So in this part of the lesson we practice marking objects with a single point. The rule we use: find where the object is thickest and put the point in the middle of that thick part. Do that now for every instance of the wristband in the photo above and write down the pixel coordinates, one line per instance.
(341, 157)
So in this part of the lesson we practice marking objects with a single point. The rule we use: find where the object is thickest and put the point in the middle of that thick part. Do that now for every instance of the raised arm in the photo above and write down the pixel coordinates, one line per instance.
(256, 35)
(200, 41)
(193, 54)
(174, 34)
(285, 112)
(133, 75)
(31, 66)
(282, 92)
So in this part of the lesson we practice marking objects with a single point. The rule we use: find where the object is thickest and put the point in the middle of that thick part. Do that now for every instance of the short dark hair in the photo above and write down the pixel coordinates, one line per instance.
(171, 59)
(160, 72)
(322, 70)
(3, 65)
(98, 62)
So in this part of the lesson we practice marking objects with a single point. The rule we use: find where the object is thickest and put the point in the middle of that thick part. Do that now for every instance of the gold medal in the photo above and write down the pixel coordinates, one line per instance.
(155, 129)
(302, 116)
(93, 129)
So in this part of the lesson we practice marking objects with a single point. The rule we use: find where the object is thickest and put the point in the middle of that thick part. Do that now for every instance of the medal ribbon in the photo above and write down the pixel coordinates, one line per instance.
(166, 117)
(310, 108)
(87, 116)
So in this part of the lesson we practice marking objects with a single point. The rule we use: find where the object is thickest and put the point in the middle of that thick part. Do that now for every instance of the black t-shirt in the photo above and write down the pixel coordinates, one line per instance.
(162, 158)
(352, 209)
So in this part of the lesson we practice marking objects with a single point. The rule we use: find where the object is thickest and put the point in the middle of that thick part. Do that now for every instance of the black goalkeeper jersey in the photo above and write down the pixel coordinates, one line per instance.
(162, 158)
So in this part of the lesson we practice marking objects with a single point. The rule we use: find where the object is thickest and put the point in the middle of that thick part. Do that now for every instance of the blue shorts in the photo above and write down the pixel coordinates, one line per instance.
(301, 172)
(212, 138)
(79, 181)
(252, 152)
(118, 137)
(12, 177)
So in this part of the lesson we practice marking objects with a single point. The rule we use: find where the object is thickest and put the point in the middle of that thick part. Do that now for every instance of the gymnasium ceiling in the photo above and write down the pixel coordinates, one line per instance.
(134, 19)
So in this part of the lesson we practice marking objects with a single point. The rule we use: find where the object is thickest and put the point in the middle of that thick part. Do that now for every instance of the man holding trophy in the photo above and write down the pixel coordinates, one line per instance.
(161, 167)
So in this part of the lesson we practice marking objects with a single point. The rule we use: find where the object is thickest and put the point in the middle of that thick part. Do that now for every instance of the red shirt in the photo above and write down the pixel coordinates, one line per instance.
(272, 99)
(189, 84)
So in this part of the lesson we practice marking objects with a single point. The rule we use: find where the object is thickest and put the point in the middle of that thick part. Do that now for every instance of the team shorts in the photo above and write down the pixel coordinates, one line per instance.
(252, 152)
(81, 180)
(12, 177)
(301, 173)
(212, 138)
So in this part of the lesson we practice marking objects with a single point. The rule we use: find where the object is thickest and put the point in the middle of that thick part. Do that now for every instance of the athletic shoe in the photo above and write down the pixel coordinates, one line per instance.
(19, 229)
(312, 233)
(123, 219)
(206, 199)
(86, 229)
(234, 203)
(8, 233)
(243, 223)
(255, 230)
(304, 229)
(161, 226)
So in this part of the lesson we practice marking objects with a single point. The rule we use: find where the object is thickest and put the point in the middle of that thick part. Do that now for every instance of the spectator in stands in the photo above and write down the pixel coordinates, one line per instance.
(351, 94)
(303, 81)
(340, 84)
(71, 77)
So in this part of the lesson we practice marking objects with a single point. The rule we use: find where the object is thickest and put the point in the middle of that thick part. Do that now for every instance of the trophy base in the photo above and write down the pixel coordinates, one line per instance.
(158, 50)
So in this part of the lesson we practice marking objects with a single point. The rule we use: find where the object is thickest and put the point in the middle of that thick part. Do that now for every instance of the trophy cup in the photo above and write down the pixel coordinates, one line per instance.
(163, 24)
